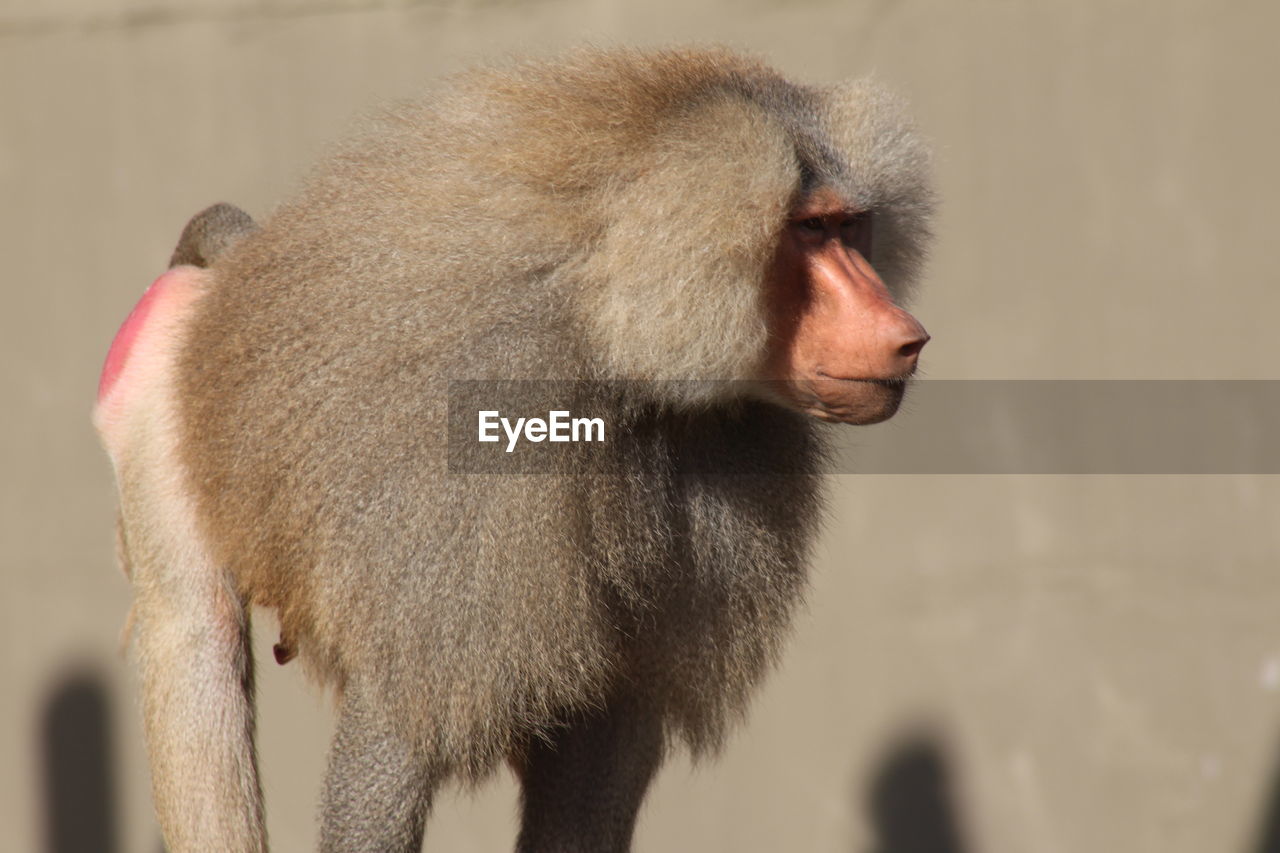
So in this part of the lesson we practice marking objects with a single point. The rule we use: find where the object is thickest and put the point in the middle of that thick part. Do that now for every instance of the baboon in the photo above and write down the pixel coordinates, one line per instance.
(686, 227)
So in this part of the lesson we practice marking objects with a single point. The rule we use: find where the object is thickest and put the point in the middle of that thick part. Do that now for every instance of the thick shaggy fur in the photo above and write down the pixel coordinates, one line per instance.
(608, 216)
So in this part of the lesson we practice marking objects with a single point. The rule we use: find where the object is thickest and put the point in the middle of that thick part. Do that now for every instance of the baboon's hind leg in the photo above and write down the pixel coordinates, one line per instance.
(192, 640)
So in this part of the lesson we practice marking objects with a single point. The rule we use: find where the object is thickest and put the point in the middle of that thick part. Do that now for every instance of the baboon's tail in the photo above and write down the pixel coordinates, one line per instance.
(210, 233)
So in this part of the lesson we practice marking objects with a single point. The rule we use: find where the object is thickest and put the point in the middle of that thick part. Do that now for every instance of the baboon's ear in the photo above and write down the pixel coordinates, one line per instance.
(687, 245)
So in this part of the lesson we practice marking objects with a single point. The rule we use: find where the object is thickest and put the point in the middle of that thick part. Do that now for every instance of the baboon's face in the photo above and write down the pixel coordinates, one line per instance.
(841, 350)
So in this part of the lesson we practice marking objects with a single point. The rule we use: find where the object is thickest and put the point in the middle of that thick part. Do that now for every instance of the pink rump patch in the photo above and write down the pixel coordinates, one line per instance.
(121, 346)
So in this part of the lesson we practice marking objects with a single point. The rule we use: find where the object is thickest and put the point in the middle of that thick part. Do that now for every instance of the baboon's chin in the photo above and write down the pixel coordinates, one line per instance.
(852, 401)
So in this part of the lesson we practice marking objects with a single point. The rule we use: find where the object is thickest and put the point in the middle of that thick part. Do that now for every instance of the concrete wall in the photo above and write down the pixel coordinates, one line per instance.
(1003, 664)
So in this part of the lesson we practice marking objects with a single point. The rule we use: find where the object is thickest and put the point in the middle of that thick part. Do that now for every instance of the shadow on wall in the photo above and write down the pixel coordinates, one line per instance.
(909, 798)
(911, 804)
(78, 767)
(912, 807)
(1268, 837)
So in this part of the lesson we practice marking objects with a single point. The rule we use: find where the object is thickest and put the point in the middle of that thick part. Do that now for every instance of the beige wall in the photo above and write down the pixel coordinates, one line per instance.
(1015, 663)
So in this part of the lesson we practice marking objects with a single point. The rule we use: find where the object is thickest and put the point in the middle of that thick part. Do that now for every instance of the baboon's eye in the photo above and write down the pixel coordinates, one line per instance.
(813, 223)
(855, 232)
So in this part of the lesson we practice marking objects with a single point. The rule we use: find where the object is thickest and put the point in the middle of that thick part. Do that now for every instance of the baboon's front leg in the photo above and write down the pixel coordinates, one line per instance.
(582, 789)
(378, 788)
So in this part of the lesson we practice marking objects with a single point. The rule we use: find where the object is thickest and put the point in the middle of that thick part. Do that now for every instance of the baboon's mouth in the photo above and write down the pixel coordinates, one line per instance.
(891, 382)
(852, 400)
